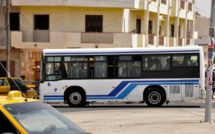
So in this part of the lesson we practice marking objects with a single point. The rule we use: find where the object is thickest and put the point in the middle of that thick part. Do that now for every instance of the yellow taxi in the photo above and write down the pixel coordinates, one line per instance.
(11, 84)
(19, 115)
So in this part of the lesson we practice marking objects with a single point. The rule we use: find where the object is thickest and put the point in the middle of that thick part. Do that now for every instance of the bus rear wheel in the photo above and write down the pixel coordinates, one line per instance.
(76, 98)
(155, 97)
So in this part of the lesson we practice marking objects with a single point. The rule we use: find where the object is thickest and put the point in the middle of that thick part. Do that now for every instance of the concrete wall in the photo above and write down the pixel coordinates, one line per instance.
(79, 3)
(71, 40)
(133, 16)
(69, 19)
(15, 56)
(2, 24)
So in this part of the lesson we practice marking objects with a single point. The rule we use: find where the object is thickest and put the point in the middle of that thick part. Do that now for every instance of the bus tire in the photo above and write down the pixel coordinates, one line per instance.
(155, 97)
(76, 98)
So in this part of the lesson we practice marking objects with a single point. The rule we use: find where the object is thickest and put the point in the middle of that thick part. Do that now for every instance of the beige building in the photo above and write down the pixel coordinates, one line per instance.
(40, 24)
(202, 27)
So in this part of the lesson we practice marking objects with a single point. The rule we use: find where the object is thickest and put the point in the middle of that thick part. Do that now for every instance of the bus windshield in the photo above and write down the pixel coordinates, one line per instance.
(39, 118)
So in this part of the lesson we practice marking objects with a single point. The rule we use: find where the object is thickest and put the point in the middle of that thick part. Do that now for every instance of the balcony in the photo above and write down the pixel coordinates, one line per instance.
(180, 42)
(151, 39)
(60, 40)
(153, 6)
(161, 40)
(79, 3)
(184, 5)
(106, 38)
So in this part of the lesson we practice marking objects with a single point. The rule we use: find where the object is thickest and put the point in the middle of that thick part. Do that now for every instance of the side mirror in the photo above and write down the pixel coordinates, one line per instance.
(7, 133)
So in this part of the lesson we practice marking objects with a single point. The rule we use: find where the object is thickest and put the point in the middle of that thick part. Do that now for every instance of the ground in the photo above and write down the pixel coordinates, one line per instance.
(140, 119)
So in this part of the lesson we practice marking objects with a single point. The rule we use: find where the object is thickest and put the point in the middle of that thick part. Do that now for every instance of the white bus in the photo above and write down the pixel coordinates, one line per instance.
(151, 75)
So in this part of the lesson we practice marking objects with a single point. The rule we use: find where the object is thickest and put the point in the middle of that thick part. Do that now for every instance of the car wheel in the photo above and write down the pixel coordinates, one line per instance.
(76, 98)
(155, 97)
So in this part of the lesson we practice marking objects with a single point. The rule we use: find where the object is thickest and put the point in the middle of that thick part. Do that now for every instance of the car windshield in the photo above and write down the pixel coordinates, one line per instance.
(38, 118)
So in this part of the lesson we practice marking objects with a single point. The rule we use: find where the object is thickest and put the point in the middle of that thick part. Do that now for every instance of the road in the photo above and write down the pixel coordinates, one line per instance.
(96, 107)
(174, 118)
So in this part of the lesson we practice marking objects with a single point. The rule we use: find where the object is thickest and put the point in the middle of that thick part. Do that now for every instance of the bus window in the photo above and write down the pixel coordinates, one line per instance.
(149, 63)
(191, 60)
(185, 60)
(178, 60)
(163, 62)
(100, 67)
(76, 70)
(123, 69)
(136, 69)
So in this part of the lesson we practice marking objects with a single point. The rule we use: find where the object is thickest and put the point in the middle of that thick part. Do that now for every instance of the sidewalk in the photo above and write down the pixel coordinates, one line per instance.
(143, 121)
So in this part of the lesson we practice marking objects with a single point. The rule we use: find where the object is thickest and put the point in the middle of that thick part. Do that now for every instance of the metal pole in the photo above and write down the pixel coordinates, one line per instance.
(208, 101)
(8, 36)
(1, 5)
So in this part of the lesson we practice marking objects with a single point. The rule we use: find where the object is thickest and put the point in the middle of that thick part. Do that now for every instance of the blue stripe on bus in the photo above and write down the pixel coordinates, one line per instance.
(54, 98)
(130, 52)
(127, 90)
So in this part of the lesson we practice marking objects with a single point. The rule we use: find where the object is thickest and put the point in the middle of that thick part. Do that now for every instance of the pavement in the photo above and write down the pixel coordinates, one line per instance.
(176, 118)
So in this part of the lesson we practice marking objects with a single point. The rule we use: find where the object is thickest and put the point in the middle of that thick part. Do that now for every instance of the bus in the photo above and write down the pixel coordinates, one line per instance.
(151, 75)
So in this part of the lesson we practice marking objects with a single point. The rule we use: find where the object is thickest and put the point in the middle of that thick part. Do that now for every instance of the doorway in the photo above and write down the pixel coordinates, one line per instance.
(3, 72)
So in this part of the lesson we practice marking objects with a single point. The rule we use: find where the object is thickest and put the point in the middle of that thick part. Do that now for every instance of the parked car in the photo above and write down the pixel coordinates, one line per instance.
(11, 84)
(33, 85)
(27, 116)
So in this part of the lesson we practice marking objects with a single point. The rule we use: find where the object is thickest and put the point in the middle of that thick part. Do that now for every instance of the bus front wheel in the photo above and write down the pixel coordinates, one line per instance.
(155, 97)
(76, 98)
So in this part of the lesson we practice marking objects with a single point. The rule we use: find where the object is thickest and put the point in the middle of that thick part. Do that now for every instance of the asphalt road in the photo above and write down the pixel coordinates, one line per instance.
(96, 107)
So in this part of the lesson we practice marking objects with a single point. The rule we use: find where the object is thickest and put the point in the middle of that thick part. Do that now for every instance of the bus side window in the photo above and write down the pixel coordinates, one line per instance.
(149, 63)
(100, 67)
(76, 67)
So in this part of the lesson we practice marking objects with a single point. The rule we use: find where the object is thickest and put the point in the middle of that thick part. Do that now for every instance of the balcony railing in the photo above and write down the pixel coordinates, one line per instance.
(161, 40)
(180, 41)
(163, 2)
(188, 41)
(106, 38)
(182, 4)
(151, 39)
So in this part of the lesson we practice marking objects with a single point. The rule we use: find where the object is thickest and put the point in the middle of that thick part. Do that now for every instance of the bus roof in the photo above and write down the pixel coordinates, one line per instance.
(111, 51)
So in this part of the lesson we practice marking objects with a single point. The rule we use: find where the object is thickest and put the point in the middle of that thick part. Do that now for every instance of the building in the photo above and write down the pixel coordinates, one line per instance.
(40, 24)
(202, 27)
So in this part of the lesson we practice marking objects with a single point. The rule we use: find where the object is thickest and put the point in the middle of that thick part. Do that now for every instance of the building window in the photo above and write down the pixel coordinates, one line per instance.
(150, 27)
(138, 26)
(94, 23)
(172, 30)
(14, 22)
(41, 22)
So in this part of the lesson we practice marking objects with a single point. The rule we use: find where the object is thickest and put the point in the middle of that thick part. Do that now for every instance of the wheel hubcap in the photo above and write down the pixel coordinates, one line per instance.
(154, 97)
(75, 98)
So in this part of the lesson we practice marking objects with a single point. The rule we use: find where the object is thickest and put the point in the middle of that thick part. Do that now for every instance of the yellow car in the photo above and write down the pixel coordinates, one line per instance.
(11, 84)
(19, 115)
